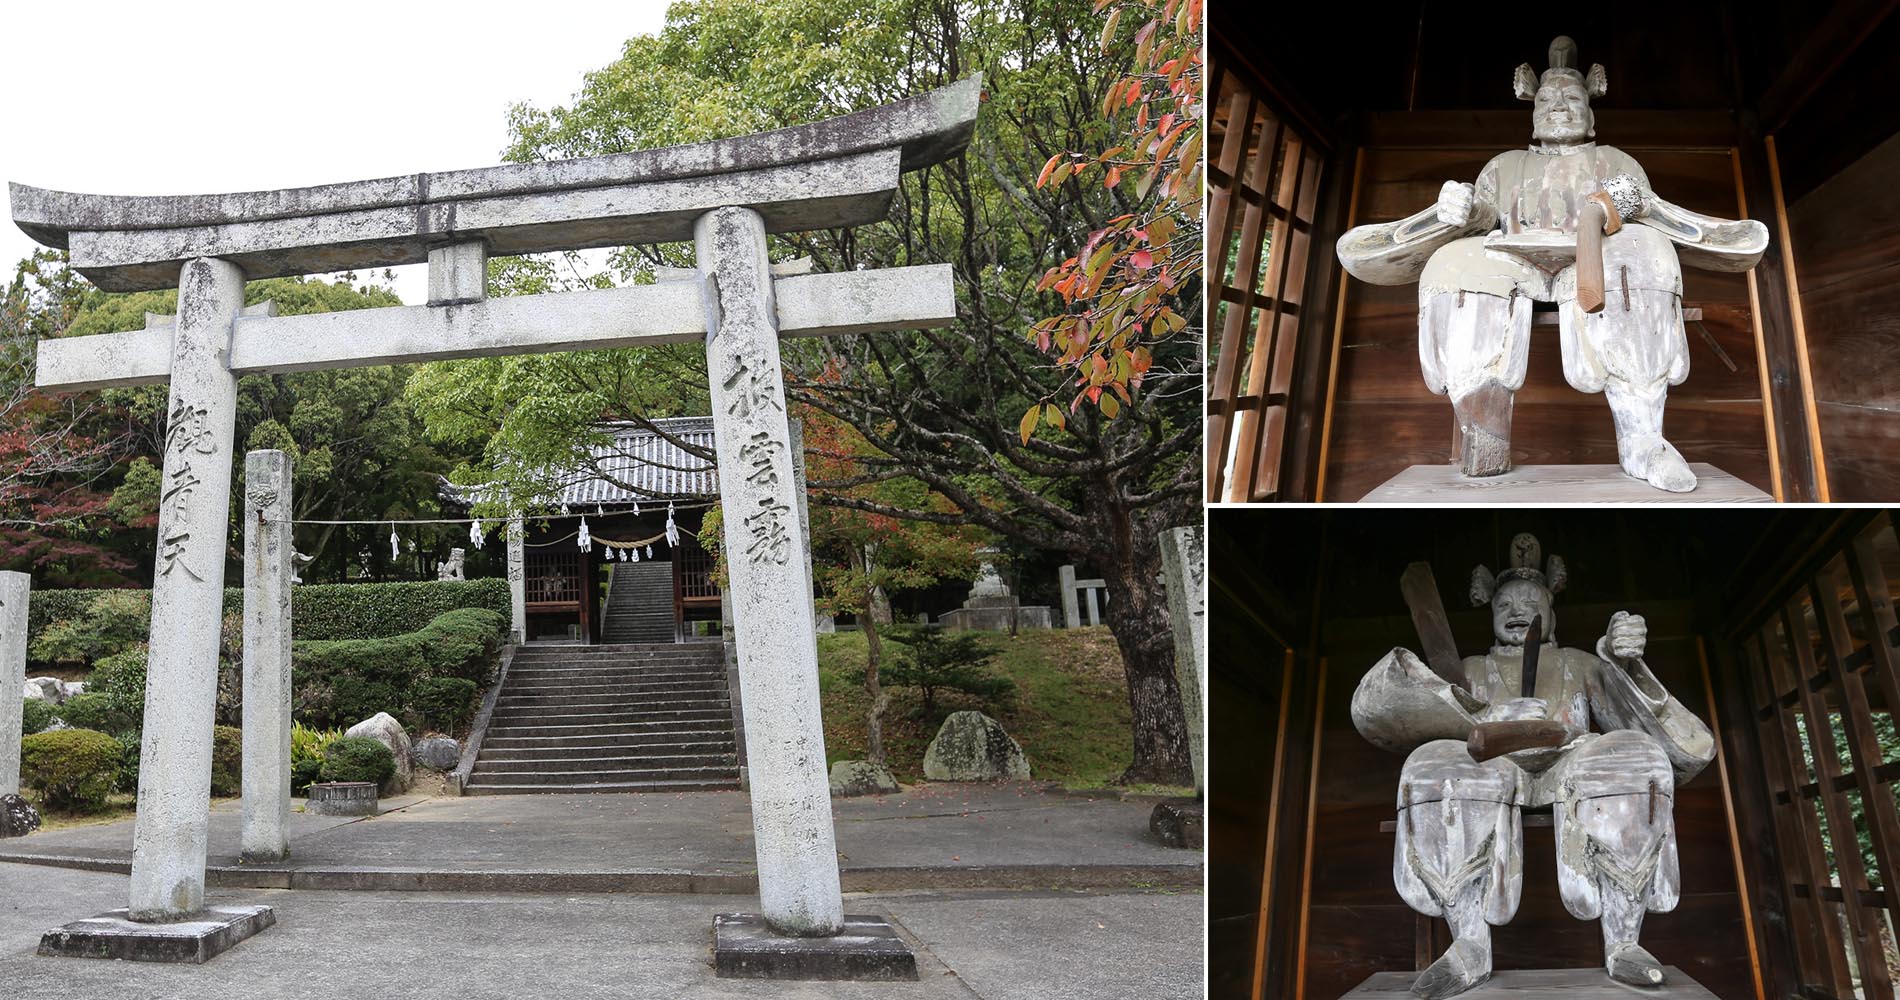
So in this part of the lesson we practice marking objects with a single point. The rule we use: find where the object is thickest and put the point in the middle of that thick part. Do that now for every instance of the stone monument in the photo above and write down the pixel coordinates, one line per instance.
(1493, 735)
(725, 196)
(1565, 221)
(992, 607)
(452, 568)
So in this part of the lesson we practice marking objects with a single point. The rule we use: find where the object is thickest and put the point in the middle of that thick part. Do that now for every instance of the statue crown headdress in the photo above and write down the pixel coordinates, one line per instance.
(1563, 63)
(1526, 553)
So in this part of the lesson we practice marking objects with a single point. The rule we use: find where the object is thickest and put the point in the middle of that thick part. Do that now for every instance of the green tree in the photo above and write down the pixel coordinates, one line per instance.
(943, 409)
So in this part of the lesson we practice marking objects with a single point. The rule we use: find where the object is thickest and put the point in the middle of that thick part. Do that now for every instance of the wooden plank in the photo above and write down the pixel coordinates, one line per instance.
(1312, 812)
(1541, 984)
(1265, 922)
(1761, 346)
(1273, 453)
(1539, 484)
(1863, 742)
(1293, 170)
(1728, 811)
(1800, 326)
(1339, 332)
(1821, 957)
(1778, 347)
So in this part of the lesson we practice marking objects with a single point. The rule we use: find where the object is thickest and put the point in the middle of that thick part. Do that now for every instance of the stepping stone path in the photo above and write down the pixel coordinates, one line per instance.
(611, 718)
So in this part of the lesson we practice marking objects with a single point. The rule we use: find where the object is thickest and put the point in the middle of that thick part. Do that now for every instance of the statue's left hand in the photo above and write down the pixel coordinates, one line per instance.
(1628, 635)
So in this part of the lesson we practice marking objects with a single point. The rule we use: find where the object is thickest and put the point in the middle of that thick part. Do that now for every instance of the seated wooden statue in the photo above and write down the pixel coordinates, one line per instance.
(1547, 224)
(1621, 745)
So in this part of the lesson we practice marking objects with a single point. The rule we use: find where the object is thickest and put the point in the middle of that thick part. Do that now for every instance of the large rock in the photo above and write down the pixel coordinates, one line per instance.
(972, 746)
(51, 690)
(17, 817)
(384, 728)
(439, 752)
(851, 778)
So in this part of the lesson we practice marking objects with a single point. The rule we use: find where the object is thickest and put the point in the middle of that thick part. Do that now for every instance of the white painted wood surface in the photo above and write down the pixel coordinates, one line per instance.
(1542, 984)
(1544, 484)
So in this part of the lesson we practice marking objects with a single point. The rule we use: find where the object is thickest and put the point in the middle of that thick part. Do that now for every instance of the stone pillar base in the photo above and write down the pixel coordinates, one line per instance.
(869, 949)
(196, 940)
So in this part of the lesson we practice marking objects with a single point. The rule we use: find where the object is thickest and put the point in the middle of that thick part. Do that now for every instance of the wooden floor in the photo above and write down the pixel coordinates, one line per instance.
(1542, 984)
(1543, 484)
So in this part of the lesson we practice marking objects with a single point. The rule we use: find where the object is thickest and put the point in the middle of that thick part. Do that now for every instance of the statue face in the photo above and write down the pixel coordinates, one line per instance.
(1561, 113)
(1513, 607)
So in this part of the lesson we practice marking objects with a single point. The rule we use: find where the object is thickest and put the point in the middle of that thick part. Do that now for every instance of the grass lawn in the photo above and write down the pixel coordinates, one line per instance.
(1070, 710)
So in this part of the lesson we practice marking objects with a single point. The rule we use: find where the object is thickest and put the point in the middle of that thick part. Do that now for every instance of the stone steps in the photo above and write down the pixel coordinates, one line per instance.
(639, 603)
(610, 718)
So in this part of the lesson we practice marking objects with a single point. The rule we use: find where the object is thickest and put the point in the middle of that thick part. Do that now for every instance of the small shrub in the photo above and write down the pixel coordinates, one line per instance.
(227, 760)
(35, 716)
(357, 758)
(933, 660)
(71, 769)
(128, 761)
(306, 754)
(304, 773)
(120, 680)
(92, 710)
(442, 702)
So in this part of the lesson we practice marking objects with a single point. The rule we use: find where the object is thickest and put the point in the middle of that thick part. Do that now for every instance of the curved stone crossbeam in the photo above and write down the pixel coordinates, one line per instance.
(834, 173)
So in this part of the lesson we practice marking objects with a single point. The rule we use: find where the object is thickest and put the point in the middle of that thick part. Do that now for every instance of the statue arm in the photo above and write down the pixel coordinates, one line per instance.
(1394, 253)
(1401, 704)
(1703, 241)
(1627, 695)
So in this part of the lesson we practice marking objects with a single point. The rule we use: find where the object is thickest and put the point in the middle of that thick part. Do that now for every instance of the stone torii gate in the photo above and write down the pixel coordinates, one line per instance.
(725, 196)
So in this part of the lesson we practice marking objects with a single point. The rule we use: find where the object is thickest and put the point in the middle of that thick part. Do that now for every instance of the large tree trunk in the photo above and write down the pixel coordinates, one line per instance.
(1138, 618)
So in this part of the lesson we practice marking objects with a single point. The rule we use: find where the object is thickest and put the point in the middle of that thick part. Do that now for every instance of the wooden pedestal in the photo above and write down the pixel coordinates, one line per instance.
(1540, 984)
(1544, 484)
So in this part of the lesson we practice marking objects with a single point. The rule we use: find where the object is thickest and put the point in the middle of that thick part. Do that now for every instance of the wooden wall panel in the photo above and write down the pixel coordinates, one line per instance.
(1384, 419)
(1846, 239)
(1357, 923)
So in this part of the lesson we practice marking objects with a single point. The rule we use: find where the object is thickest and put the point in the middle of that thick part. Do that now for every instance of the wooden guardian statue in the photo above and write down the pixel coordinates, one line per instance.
(1565, 221)
(1589, 734)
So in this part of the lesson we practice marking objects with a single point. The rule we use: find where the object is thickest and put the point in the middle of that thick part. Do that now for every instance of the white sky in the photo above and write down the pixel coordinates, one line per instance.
(207, 97)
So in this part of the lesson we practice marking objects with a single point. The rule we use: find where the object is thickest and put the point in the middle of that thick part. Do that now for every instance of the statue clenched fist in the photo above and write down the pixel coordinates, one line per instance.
(1454, 203)
(1628, 635)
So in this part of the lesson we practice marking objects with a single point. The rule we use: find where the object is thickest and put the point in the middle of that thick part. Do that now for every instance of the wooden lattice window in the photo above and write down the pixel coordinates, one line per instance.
(1826, 675)
(553, 577)
(1261, 191)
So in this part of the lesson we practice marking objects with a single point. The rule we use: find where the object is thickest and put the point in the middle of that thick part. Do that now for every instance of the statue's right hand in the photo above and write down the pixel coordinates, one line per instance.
(1454, 203)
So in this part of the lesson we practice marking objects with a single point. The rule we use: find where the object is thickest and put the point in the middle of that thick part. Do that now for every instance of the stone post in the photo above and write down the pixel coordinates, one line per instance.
(517, 579)
(15, 591)
(1095, 605)
(1184, 560)
(267, 631)
(181, 680)
(1065, 578)
(770, 586)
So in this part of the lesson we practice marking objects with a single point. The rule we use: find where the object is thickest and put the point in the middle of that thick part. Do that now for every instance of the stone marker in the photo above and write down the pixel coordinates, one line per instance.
(1184, 561)
(517, 581)
(726, 194)
(267, 632)
(971, 746)
(1065, 581)
(15, 591)
(383, 728)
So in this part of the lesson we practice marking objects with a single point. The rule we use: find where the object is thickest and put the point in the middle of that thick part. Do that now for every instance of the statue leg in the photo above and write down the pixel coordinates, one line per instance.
(1633, 350)
(1459, 854)
(1616, 844)
(1474, 343)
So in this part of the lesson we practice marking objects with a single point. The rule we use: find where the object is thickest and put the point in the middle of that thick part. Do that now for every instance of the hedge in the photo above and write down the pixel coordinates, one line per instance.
(319, 611)
(70, 769)
(344, 681)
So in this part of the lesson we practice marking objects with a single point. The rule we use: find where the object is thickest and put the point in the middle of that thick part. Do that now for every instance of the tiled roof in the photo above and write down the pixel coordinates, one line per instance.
(635, 457)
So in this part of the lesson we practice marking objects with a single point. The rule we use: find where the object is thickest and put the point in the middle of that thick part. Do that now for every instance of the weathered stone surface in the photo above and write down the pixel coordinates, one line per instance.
(998, 619)
(194, 519)
(383, 727)
(1179, 823)
(342, 798)
(1184, 565)
(51, 690)
(850, 778)
(439, 752)
(17, 816)
(196, 941)
(267, 631)
(972, 746)
(898, 298)
(15, 591)
(868, 949)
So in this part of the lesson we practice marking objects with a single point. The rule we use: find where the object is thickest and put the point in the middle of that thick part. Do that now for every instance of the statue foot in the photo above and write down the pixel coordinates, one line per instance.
(1660, 465)
(1462, 966)
(1629, 963)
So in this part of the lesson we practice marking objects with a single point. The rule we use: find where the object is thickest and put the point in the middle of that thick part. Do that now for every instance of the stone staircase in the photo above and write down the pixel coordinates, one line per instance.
(639, 603)
(611, 718)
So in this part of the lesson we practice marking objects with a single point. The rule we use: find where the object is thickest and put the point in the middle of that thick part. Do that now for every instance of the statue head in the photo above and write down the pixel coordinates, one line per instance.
(1560, 99)
(1522, 592)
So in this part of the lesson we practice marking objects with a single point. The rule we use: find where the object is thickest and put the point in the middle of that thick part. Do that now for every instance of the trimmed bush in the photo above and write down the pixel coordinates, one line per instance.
(227, 760)
(71, 769)
(320, 612)
(357, 758)
(35, 716)
(341, 682)
(442, 703)
(128, 761)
